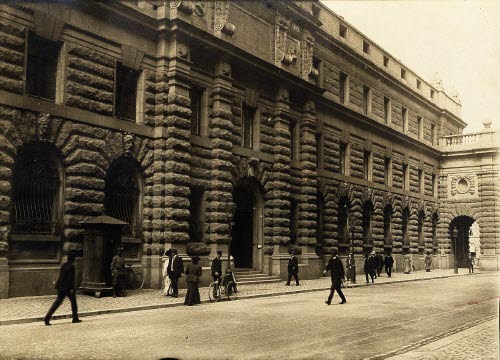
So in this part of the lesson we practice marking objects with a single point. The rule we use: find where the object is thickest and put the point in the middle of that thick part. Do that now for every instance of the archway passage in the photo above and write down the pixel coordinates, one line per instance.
(242, 232)
(459, 232)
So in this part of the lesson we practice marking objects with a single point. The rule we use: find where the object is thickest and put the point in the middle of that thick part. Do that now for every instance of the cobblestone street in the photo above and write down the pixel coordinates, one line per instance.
(28, 309)
(435, 319)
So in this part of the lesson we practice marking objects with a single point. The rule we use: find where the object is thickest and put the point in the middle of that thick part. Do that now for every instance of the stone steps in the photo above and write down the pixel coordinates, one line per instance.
(253, 277)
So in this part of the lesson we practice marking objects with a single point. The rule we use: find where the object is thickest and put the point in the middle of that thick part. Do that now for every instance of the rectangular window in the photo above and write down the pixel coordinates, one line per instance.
(434, 185)
(405, 176)
(420, 127)
(404, 118)
(294, 140)
(319, 151)
(386, 61)
(387, 110)
(367, 100)
(126, 92)
(432, 94)
(403, 74)
(343, 158)
(343, 88)
(388, 171)
(367, 165)
(343, 31)
(366, 47)
(41, 67)
(196, 96)
(421, 186)
(419, 84)
(433, 134)
(247, 120)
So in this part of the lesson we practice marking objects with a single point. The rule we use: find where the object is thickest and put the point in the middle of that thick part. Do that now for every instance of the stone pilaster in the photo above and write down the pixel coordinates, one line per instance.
(219, 196)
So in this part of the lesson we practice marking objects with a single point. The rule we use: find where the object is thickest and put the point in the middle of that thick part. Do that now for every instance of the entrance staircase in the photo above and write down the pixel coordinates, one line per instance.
(245, 276)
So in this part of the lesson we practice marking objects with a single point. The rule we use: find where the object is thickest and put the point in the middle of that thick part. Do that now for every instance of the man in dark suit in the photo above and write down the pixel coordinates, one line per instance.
(293, 269)
(175, 271)
(388, 263)
(337, 274)
(380, 263)
(65, 286)
(217, 270)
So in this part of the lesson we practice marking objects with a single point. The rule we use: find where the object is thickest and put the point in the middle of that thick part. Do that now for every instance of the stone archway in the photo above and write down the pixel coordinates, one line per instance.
(247, 235)
(459, 231)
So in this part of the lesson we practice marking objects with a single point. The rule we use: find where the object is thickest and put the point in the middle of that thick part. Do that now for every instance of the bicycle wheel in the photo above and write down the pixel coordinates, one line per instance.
(137, 281)
(230, 290)
(213, 292)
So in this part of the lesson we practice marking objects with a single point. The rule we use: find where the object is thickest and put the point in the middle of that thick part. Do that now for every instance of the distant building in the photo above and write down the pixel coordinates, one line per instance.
(181, 118)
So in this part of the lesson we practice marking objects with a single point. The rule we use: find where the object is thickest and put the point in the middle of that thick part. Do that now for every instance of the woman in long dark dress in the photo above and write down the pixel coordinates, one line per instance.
(193, 273)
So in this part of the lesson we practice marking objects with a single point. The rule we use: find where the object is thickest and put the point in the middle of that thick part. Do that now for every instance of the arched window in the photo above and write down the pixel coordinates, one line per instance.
(404, 227)
(122, 194)
(343, 216)
(367, 222)
(435, 218)
(36, 191)
(420, 228)
(387, 224)
(294, 221)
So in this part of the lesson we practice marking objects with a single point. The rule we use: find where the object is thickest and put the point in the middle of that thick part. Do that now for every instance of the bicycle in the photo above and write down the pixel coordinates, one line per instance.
(134, 280)
(226, 289)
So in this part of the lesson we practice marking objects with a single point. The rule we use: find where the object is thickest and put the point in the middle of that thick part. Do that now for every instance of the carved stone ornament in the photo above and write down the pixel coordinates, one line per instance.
(250, 167)
(221, 19)
(128, 144)
(367, 195)
(422, 206)
(406, 202)
(185, 6)
(200, 8)
(344, 190)
(291, 57)
(223, 68)
(182, 51)
(43, 126)
(307, 54)
(435, 208)
(463, 185)
(281, 27)
(388, 199)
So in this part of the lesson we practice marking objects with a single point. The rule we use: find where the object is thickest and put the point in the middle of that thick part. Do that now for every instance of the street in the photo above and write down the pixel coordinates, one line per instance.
(376, 320)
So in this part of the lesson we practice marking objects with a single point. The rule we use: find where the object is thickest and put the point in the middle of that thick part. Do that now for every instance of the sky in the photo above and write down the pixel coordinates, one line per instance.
(460, 40)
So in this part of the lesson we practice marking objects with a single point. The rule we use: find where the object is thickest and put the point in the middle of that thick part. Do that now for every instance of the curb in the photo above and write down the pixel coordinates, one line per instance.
(180, 303)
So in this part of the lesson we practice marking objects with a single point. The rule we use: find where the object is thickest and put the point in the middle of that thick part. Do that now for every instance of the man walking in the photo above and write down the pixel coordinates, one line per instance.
(293, 269)
(65, 286)
(380, 263)
(388, 263)
(336, 269)
(175, 271)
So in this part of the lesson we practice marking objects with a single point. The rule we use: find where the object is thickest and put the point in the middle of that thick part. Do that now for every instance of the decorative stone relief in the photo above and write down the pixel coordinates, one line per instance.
(344, 190)
(185, 6)
(200, 8)
(422, 206)
(182, 51)
(367, 195)
(221, 19)
(406, 202)
(463, 185)
(43, 126)
(388, 199)
(128, 144)
(280, 36)
(307, 54)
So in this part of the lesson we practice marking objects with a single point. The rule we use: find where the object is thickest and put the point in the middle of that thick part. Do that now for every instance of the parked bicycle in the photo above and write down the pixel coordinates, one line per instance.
(134, 280)
(226, 288)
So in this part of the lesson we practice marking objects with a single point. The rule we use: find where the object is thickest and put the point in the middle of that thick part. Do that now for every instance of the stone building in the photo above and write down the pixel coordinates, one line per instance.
(248, 127)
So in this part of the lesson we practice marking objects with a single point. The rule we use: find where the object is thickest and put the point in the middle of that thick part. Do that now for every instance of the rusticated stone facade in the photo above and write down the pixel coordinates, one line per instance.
(248, 127)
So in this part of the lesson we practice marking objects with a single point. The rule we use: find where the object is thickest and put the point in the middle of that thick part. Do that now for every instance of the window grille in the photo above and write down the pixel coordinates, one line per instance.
(35, 190)
(122, 197)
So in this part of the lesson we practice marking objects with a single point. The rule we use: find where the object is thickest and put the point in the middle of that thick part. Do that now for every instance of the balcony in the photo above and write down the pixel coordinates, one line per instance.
(487, 139)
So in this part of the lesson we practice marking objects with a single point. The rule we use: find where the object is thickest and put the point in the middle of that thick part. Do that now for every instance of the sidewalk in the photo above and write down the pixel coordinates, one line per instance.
(34, 308)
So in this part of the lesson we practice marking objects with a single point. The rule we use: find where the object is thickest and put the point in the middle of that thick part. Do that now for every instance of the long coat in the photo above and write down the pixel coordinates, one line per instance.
(293, 265)
(216, 267)
(178, 268)
(66, 280)
(193, 273)
(407, 264)
(428, 262)
(336, 268)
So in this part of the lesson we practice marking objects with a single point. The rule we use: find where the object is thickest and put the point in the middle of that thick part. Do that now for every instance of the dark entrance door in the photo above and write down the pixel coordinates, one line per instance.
(242, 231)
(460, 239)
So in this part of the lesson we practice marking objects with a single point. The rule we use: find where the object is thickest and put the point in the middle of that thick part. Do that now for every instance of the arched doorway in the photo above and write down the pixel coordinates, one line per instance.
(460, 232)
(247, 229)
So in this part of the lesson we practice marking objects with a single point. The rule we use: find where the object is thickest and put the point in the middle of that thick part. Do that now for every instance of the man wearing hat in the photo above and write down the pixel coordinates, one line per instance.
(293, 269)
(118, 272)
(337, 274)
(217, 269)
(175, 271)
